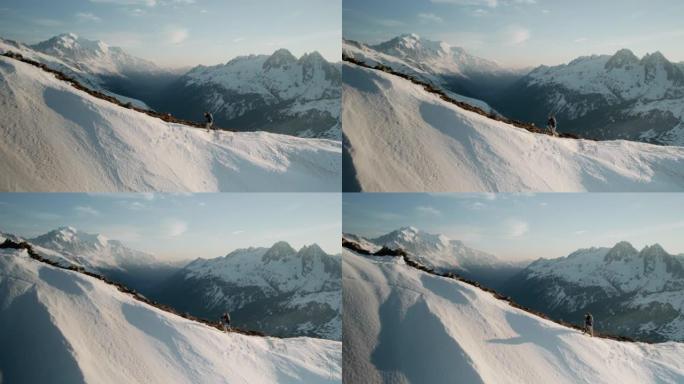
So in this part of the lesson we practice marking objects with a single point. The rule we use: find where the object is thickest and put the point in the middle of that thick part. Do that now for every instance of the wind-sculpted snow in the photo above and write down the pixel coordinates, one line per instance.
(61, 326)
(402, 138)
(58, 138)
(402, 325)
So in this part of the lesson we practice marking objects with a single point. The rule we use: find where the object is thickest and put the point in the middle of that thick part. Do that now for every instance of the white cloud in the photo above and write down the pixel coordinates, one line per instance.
(238, 232)
(428, 210)
(516, 228)
(87, 210)
(177, 35)
(476, 206)
(148, 3)
(488, 3)
(87, 16)
(48, 22)
(430, 17)
(174, 227)
(515, 35)
(580, 232)
(238, 39)
(580, 40)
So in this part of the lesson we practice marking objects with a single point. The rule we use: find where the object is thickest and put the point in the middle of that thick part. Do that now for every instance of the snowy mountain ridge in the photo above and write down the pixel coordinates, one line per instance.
(80, 142)
(411, 326)
(92, 332)
(403, 138)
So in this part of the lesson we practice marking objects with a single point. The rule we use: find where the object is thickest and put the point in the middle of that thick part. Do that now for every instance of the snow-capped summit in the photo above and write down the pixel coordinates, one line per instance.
(622, 58)
(93, 251)
(94, 56)
(280, 251)
(436, 250)
(279, 59)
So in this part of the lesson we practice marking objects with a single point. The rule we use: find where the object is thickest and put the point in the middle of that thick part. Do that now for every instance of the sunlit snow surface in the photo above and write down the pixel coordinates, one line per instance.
(402, 138)
(402, 325)
(62, 326)
(57, 138)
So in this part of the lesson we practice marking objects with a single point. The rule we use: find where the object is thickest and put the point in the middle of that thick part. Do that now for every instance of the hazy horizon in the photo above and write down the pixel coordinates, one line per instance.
(525, 33)
(183, 33)
(520, 227)
(181, 227)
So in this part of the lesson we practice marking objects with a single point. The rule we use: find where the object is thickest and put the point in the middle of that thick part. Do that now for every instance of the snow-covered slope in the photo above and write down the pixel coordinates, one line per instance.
(607, 97)
(425, 60)
(57, 138)
(402, 138)
(279, 93)
(402, 325)
(277, 290)
(62, 326)
(633, 293)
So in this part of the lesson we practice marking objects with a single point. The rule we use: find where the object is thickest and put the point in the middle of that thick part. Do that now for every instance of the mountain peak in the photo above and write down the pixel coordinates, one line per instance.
(654, 58)
(621, 251)
(653, 250)
(279, 58)
(622, 58)
(278, 251)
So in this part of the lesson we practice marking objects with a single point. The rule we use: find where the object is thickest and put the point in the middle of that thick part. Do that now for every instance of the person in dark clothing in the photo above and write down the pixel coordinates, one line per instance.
(225, 321)
(589, 324)
(209, 118)
(551, 124)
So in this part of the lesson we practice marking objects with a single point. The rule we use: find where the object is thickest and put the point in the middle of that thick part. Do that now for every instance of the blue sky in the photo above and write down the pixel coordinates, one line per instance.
(183, 32)
(182, 226)
(526, 226)
(520, 33)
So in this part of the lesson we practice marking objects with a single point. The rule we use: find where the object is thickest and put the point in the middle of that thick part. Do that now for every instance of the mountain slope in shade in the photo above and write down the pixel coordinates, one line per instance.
(88, 331)
(58, 138)
(634, 293)
(402, 138)
(279, 93)
(605, 97)
(406, 326)
(276, 290)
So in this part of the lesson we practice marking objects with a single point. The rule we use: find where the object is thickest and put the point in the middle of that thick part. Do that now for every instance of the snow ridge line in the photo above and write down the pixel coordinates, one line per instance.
(463, 105)
(387, 252)
(167, 117)
(9, 244)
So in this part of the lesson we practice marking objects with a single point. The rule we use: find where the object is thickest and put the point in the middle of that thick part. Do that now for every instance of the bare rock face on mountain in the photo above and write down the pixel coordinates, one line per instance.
(278, 93)
(629, 292)
(277, 290)
(605, 97)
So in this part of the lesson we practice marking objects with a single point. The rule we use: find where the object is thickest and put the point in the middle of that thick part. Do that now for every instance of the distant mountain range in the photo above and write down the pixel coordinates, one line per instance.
(629, 292)
(276, 93)
(276, 290)
(601, 96)
(445, 255)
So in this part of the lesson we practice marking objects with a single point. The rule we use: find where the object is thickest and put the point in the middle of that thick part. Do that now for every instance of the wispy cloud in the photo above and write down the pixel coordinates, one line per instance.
(174, 227)
(515, 228)
(580, 40)
(516, 35)
(238, 232)
(177, 35)
(487, 3)
(87, 16)
(87, 210)
(430, 17)
(48, 22)
(148, 3)
(428, 210)
(389, 22)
